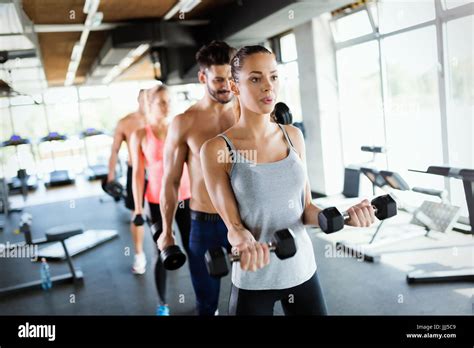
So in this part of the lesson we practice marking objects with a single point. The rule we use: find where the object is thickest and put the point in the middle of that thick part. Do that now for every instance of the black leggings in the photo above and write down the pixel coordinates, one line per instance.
(304, 299)
(183, 219)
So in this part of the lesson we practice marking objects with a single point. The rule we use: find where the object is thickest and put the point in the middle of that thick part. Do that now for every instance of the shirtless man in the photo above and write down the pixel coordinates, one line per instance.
(210, 116)
(125, 128)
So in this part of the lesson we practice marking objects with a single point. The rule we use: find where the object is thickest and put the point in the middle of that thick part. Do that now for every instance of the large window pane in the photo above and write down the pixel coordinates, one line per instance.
(460, 106)
(399, 14)
(288, 48)
(455, 3)
(412, 108)
(290, 88)
(183, 96)
(29, 123)
(6, 153)
(60, 95)
(96, 114)
(352, 26)
(93, 92)
(360, 101)
(123, 98)
(26, 74)
(63, 117)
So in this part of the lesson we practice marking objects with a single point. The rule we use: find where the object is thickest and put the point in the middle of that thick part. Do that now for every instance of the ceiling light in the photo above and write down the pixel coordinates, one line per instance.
(125, 62)
(137, 52)
(189, 5)
(73, 65)
(182, 6)
(91, 6)
(112, 74)
(77, 51)
(69, 78)
(95, 20)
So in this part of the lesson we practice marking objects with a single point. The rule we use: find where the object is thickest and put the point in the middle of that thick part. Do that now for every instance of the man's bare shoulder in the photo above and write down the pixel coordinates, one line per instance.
(185, 120)
(191, 113)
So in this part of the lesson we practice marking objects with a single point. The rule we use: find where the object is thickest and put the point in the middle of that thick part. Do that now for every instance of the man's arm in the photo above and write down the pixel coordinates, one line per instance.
(174, 156)
(119, 136)
(138, 172)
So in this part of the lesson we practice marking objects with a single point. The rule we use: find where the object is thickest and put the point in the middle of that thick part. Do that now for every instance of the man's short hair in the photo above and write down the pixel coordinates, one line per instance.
(214, 53)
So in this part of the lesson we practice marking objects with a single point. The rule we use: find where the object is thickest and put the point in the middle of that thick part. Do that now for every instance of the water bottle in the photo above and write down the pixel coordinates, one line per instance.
(46, 283)
(162, 310)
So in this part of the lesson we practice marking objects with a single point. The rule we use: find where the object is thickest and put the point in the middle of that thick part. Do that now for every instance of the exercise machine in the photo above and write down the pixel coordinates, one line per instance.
(393, 181)
(58, 234)
(56, 177)
(463, 274)
(94, 171)
(76, 243)
(5, 207)
(23, 181)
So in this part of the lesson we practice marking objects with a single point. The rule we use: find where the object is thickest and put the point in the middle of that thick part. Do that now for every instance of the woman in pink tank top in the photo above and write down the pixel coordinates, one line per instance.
(147, 146)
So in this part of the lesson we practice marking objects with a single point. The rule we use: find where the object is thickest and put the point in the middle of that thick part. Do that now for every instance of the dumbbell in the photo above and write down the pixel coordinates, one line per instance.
(172, 257)
(331, 220)
(217, 260)
(113, 189)
(138, 220)
(282, 114)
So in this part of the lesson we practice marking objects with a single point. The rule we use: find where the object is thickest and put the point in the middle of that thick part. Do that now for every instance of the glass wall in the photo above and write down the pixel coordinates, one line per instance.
(69, 111)
(412, 106)
(460, 104)
(417, 62)
(288, 74)
(360, 101)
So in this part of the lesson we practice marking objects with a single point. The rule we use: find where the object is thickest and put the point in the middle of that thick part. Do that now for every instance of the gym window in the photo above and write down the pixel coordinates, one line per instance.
(284, 47)
(391, 87)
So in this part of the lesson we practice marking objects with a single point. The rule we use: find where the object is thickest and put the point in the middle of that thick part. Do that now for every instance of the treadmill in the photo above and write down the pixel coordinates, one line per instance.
(382, 179)
(94, 171)
(452, 275)
(57, 177)
(23, 181)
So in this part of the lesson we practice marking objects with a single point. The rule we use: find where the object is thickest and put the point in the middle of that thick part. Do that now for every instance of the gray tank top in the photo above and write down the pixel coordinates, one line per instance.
(270, 197)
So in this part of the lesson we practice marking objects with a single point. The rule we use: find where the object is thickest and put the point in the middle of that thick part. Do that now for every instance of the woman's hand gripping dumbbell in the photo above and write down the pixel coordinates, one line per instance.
(331, 220)
(217, 260)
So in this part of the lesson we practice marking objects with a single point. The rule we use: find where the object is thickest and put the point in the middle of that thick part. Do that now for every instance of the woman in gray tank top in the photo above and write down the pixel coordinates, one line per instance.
(256, 178)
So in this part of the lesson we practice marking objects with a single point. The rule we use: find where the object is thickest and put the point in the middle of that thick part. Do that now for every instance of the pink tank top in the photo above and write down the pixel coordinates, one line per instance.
(153, 152)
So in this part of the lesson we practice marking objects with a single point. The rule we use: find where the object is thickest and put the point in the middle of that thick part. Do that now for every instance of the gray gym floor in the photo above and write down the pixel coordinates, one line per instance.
(351, 287)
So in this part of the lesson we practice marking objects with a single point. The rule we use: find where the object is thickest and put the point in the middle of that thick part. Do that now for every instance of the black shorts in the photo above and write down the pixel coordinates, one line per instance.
(129, 203)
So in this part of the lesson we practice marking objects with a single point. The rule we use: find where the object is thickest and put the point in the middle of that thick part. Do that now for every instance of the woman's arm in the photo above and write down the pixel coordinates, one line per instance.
(138, 171)
(360, 215)
(216, 164)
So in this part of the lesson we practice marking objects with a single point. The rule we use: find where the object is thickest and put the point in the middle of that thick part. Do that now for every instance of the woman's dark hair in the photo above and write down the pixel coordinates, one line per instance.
(214, 53)
(238, 59)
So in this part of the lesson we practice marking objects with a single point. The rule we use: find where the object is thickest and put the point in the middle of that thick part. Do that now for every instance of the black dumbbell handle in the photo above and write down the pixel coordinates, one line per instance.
(236, 258)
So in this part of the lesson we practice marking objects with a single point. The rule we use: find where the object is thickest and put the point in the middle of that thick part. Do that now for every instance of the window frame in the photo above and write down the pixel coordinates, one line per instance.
(442, 17)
